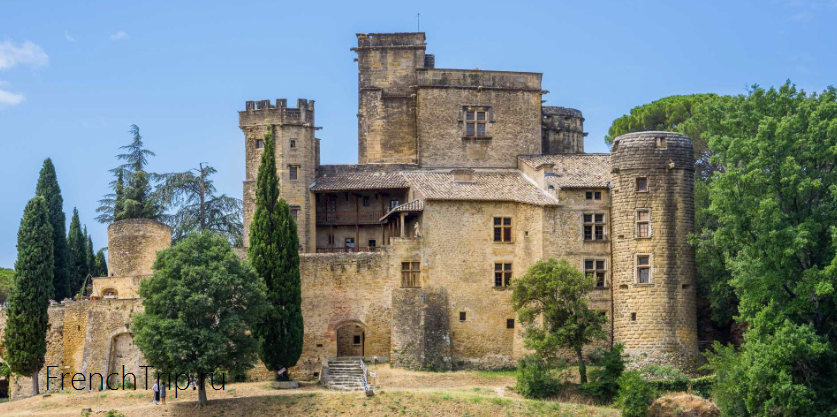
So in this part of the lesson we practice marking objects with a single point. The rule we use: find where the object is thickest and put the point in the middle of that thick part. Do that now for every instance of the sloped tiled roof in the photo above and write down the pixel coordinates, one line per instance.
(360, 177)
(411, 207)
(574, 170)
(485, 186)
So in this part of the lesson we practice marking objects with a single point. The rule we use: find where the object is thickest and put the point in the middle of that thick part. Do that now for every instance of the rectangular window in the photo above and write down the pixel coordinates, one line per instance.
(462, 316)
(502, 274)
(475, 123)
(393, 204)
(643, 223)
(502, 229)
(295, 212)
(372, 244)
(642, 184)
(596, 268)
(593, 195)
(293, 143)
(510, 323)
(356, 340)
(410, 274)
(365, 201)
(350, 244)
(643, 269)
(594, 226)
(292, 171)
(661, 143)
(259, 144)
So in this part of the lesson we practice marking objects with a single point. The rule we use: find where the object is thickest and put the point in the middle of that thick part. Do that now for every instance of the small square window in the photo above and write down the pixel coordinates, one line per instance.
(365, 201)
(393, 204)
(633, 316)
(661, 143)
(259, 144)
(642, 184)
(593, 195)
(293, 171)
(410, 274)
(475, 123)
(372, 244)
(356, 340)
(462, 316)
(510, 323)
(293, 143)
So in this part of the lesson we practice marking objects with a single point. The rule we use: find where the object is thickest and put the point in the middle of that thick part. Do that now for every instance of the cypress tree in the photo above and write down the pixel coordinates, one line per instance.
(27, 322)
(274, 254)
(78, 254)
(101, 264)
(91, 256)
(48, 189)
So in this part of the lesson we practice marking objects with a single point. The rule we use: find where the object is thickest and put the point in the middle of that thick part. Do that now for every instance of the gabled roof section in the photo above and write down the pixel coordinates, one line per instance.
(485, 186)
(361, 177)
(583, 170)
(414, 206)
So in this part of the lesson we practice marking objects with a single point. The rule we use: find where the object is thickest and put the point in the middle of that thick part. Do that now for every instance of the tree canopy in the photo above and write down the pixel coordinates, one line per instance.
(27, 318)
(556, 292)
(201, 305)
(274, 253)
(6, 280)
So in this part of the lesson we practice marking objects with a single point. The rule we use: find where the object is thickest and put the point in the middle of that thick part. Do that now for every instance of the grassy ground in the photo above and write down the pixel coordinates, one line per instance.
(400, 393)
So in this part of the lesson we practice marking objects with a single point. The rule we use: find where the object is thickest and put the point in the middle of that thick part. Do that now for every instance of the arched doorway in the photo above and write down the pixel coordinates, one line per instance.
(351, 339)
(122, 353)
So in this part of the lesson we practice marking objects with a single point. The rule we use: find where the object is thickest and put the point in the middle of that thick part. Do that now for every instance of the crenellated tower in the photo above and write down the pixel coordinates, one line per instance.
(297, 158)
(562, 130)
(654, 271)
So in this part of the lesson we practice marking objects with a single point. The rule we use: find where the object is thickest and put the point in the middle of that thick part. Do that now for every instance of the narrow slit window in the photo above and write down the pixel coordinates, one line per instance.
(293, 143)
(502, 229)
(502, 274)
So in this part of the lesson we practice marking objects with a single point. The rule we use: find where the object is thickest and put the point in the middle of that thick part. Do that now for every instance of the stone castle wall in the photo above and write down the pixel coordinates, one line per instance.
(562, 130)
(133, 245)
(656, 321)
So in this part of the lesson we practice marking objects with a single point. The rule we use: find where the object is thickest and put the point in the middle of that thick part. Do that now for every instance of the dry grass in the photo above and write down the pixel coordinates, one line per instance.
(401, 393)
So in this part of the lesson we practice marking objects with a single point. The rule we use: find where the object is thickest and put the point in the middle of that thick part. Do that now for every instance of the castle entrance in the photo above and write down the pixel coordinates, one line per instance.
(351, 339)
(123, 353)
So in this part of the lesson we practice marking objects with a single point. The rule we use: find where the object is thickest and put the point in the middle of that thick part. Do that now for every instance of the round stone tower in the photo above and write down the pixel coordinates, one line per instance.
(133, 245)
(655, 310)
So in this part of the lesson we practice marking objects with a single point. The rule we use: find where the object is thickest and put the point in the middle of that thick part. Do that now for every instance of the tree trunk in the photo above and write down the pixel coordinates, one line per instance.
(35, 388)
(202, 392)
(582, 369)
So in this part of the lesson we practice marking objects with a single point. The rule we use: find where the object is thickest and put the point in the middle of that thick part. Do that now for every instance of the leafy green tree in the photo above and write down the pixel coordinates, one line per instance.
(27, 318)
(201, 305)
(775, 202)
(48, 188)
(634, 395)
(100, 264)
(197, 208)
(604, 382)
(535, 378)
(556, 293)
(6, 282)
(77, 247)
(274, 253)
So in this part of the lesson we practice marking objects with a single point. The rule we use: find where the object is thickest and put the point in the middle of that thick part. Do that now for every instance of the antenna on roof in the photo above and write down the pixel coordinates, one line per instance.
(418, 22)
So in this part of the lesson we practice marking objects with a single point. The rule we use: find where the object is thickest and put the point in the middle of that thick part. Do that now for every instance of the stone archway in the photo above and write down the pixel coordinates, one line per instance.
(351, 339)
(122, 352)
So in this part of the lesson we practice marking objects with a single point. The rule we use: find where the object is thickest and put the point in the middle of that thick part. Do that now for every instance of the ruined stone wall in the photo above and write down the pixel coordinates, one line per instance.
(562, 130)
(387, 65)
(133, 245)
(420, 329)
(293, 132)
(513, 103)
(656, 321)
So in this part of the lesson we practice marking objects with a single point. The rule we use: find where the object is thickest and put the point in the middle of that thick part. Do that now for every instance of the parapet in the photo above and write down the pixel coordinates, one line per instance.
(560, 111)
(264, 112)
(652, 150)
(479, 79)
(133, 245)
(391, 40)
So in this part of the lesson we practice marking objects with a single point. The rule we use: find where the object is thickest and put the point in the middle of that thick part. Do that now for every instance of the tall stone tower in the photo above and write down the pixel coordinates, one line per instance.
(297, 158)
(653, 264)
(386, 118)
(562, 130)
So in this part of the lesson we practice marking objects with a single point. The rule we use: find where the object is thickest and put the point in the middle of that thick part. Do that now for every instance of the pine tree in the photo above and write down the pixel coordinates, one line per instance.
(27, 322)
(78, 254)
(101, 264)
(274, 254)
(48, 189)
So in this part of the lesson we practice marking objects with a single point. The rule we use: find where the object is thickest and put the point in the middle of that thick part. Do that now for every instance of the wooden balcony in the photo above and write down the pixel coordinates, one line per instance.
(349, 250)
(349, 218)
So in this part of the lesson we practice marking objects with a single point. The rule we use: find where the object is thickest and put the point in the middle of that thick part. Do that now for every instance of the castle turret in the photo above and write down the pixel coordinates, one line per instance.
(133, 245)
(297, 157)
(654, 266)
(562, 130)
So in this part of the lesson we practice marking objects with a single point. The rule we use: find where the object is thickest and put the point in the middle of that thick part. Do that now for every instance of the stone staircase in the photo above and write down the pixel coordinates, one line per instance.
(345, 373)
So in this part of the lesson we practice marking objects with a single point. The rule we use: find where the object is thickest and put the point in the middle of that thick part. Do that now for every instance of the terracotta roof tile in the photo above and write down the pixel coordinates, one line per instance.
(360, 177)
(486, 186)
(574, 170)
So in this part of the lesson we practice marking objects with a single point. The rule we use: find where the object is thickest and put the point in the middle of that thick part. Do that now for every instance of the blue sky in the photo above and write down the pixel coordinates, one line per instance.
(74, 77)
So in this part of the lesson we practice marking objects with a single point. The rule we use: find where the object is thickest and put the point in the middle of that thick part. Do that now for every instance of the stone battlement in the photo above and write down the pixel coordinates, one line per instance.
(390, 40)
(263, 111)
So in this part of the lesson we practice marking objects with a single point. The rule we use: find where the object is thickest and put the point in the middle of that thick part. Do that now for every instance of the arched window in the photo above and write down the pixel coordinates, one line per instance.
(109, 293)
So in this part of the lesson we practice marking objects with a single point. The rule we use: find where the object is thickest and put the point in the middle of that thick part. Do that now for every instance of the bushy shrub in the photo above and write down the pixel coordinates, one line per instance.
(603, 383)
(634, 395)
(535, 378)
(666, 378)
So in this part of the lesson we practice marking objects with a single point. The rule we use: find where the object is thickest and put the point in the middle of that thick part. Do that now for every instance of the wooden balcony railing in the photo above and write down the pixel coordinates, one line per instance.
(342, 218)
(350, 250)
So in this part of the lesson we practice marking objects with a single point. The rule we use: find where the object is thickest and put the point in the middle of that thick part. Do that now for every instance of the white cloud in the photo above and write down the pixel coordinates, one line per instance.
(118, 36)
(29, 53)
(7, 98)
(68, 37)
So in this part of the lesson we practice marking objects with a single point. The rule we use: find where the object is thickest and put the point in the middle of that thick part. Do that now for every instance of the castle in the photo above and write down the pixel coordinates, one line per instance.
(464, 180)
